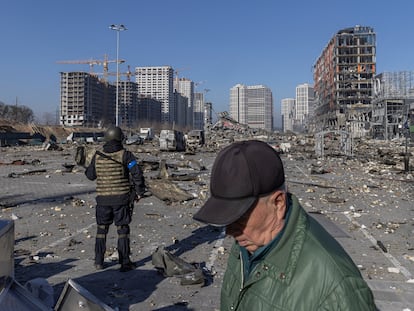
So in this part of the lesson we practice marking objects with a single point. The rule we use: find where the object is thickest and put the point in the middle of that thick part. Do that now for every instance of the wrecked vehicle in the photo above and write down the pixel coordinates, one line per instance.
(146, 133)
(172, 140)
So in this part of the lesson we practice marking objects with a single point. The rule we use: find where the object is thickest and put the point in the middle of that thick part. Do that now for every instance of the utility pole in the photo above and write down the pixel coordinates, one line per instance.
(406, 154)
(117, 28)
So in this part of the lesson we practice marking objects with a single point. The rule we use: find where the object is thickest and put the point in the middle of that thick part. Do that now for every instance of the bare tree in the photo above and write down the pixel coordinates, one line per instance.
(16, 113)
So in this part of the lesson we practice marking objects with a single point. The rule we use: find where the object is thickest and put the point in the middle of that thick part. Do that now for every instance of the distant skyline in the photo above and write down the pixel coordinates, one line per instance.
(217, 44)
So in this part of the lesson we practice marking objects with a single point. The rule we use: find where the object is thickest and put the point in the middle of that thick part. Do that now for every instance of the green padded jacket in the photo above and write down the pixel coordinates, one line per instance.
(306, 270)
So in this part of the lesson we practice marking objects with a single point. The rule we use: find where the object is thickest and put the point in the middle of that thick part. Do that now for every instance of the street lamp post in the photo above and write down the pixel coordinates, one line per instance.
(117, 28)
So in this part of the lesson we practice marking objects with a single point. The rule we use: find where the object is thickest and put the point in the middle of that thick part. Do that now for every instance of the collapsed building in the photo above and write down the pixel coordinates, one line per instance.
(350, 98)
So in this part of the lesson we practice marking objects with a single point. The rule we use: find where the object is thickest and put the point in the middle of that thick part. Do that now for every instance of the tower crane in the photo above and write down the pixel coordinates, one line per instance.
(177, 71)
(196, 84)
(93, 62)
(128, 73)
(177, 78)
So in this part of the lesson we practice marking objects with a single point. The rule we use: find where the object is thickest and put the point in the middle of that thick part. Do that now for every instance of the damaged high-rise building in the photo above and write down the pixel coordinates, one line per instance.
(392, 104)
(343, 81)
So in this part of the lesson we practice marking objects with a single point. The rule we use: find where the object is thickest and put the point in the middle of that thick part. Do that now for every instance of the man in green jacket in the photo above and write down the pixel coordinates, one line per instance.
(282, 259)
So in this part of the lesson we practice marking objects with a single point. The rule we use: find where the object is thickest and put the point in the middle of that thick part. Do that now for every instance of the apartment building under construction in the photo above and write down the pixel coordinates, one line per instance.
(343, 81)
(85, 100)
(128, 103)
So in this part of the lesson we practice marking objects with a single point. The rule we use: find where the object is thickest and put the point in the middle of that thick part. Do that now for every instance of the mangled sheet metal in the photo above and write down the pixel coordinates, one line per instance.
(37, 294)
(13, 296)
(7, 248)
(163, 186)
(75, 297)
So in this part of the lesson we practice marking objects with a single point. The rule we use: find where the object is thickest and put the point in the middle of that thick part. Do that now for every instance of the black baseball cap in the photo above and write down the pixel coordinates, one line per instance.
(241, 173)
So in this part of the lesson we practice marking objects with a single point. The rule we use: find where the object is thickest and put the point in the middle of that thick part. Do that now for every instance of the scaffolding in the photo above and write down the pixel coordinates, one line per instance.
(393, 104)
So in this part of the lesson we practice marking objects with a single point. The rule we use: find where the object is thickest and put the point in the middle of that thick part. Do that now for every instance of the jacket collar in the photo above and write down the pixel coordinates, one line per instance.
(280, 263)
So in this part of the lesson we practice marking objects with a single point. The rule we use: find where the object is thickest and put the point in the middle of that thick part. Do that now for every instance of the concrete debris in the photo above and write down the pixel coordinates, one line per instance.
(150, 165)
(134, 140)
(32, 172)
(167, 192)
(14, 216)
(163, 174)
(68, 167)
(333, 199)
(52, 146)
(366, 198)
(408, 257)
(73, 242)
(393, 270)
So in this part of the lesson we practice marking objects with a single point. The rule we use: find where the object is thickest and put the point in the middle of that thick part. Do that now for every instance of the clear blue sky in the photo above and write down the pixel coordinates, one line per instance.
(220, 42)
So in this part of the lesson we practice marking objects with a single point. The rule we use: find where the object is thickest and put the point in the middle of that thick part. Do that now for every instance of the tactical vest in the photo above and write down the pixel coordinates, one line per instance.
(112, 179)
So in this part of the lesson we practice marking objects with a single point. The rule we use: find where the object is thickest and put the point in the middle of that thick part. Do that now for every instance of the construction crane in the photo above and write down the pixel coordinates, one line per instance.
(128, 73)
(177, 78)
(93, 62)
(177, 71)
(196, 84)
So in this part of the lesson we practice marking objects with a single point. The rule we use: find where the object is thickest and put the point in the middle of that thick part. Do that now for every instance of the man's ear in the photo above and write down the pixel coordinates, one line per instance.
(278, 200)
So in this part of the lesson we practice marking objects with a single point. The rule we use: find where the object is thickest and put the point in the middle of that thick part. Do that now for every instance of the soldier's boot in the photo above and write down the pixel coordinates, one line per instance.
(100, 246)
(124, 249)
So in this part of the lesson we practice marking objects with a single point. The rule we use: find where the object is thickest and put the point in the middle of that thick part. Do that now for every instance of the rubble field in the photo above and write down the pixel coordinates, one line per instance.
(364, 200)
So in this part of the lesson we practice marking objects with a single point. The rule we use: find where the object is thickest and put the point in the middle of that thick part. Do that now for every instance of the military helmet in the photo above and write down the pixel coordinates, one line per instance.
(114, 133)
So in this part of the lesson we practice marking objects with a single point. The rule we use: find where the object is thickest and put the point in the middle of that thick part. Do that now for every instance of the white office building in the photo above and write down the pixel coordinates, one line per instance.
(252, 105)
(157, 82)
(199, 111)
(238, 103)
(185, 87)
(288, 113)
(305, 97)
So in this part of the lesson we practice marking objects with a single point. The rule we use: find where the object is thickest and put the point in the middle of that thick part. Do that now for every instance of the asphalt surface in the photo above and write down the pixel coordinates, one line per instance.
(369, 211)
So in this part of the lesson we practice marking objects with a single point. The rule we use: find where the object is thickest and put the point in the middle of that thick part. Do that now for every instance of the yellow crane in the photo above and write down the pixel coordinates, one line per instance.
(93, 62)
